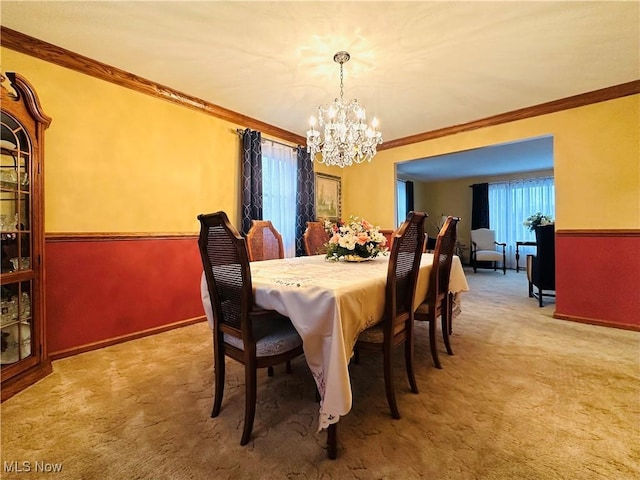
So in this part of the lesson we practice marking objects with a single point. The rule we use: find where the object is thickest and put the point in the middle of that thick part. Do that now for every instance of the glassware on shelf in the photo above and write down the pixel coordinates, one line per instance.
(25, 306)
(16, 343)
(9, 177)
(9, 308)
(20, 263)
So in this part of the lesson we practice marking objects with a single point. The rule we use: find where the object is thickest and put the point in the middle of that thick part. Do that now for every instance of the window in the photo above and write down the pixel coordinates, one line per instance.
(510, 203)
(279, 180)
(401, 206)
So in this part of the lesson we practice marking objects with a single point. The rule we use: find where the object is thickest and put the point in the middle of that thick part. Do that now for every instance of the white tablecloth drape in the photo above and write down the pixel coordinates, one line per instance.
(329, 304)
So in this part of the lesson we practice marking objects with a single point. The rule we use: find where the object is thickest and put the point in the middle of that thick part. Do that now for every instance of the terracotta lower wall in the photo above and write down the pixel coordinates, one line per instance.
(98, 289)
(598, 277)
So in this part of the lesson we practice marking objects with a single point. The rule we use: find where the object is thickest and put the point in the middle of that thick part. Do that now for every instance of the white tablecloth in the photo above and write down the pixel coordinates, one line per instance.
(329, 304)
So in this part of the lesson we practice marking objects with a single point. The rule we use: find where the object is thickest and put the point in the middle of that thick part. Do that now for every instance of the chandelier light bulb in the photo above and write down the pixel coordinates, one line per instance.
(343, 136)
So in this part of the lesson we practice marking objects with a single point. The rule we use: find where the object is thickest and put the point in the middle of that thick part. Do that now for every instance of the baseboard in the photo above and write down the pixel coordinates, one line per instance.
(124, 338)
(592, 321)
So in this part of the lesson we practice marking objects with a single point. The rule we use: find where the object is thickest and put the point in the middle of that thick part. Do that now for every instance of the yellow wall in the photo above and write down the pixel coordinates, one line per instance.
(596, 165)
(122, 161)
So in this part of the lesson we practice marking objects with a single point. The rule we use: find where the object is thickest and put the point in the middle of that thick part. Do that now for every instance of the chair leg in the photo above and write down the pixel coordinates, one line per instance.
(530, 290)
(388, 383)
(219, 373)
(408, 360)
(446, 321)
(450, 300)
(249, 401)
(432, 342)
(540, 296)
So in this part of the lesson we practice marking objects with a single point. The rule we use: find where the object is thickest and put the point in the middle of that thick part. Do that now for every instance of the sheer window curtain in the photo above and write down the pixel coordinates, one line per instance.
(401, 211)
(279, 182)
(510, 203)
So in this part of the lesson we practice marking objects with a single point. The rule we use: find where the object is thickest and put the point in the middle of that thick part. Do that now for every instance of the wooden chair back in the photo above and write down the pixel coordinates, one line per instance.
(226, 266)
(314, 238)
(442, 258)
(404, 263)
(264, 241)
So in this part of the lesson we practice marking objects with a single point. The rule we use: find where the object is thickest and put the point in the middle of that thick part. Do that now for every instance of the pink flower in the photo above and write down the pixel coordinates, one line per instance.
(363, 238)
(335, 238)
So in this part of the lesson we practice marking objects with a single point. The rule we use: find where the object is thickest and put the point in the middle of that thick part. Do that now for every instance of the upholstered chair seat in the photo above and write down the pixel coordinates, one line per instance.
(273, 337)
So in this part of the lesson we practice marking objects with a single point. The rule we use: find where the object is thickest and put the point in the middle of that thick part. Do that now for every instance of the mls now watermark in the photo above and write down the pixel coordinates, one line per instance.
(28, 466)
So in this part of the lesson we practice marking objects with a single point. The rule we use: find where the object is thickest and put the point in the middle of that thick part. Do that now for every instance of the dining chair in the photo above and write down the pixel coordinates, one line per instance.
(314, 238)
(483, 249)
(264, 241)
(396, 327)
(252, 336)
(438, 302)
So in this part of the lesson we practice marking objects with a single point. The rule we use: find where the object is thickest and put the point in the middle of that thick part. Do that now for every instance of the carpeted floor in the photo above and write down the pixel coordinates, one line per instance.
(525, 396)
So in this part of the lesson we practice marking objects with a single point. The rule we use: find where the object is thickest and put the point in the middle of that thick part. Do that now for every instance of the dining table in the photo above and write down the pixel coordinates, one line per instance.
(330, 303)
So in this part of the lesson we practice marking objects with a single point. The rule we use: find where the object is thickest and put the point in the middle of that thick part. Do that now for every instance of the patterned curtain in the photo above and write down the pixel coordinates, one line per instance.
(305, 205)
(410, 202)
(251, 178)
(480, 206)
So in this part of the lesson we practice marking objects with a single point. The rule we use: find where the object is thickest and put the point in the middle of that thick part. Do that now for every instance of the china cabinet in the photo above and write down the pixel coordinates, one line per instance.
(23, 352)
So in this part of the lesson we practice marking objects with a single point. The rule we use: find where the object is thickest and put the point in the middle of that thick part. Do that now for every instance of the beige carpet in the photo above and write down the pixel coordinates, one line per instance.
(525, 397)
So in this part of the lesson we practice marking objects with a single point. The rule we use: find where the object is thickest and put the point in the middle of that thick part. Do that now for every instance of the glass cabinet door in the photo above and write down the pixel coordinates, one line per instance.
(16, 326)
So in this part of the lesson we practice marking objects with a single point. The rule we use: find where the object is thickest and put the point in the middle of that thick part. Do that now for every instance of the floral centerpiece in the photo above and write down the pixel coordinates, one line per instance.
(355, 240)
(537, 219)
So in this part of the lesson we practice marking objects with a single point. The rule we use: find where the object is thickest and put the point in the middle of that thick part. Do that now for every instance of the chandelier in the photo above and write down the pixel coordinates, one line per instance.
(347, 137)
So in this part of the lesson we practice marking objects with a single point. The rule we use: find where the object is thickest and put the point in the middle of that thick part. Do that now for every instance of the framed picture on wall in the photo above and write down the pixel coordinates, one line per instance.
(328, 197)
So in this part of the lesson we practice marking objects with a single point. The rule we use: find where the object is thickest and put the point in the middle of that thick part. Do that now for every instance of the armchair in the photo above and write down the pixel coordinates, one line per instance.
(484, 249)
(541, 267)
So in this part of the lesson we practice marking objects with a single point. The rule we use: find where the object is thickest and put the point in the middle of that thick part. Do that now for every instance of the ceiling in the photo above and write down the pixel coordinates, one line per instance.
(417, 66)
(530, 155)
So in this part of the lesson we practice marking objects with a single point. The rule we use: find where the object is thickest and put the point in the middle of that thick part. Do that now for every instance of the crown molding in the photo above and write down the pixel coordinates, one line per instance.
(45, 51)
(602, 95)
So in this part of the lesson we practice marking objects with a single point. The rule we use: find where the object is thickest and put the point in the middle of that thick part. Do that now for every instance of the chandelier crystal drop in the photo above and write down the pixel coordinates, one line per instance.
(347, 138)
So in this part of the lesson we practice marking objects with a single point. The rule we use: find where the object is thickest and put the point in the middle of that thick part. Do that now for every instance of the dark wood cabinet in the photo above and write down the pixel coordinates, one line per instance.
(23, 352)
